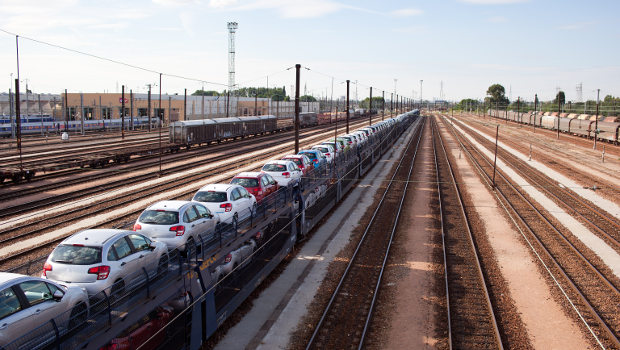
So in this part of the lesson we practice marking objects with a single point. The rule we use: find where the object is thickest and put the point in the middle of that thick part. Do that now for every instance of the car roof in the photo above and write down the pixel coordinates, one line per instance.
(94, 237)
(170, 205)
(250, 174)
(217, 187)
(279, 161)
(8, 277)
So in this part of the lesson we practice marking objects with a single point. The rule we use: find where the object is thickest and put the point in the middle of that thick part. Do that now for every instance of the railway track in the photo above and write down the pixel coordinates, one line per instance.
(28, 229)
(601, 223)
(471, 320)
(590, 291)
(88, 176)
(346, 318)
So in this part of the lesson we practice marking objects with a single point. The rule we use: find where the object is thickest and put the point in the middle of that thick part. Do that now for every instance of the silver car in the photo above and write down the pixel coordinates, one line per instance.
(105, 259)
(177, 222)
(28, 302)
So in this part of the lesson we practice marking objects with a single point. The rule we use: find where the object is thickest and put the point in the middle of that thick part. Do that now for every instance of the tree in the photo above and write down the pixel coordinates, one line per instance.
(467, 103)
(205, 93)
(377, 102)
(307, 98)
(561, 97)
(497, 94)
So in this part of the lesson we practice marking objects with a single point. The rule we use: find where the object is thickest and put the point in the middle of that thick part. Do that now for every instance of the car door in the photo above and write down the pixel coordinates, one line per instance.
(42, 306)
(127, 262)
(14, 317)
(193, 223)
(206, 222)
(247, 201)
(142, 246)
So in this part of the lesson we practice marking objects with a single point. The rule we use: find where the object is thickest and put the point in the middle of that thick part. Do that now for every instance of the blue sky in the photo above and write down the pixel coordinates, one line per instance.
(529, 46)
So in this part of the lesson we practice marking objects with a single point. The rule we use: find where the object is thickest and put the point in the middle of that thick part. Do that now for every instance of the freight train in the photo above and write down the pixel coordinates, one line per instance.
(585, 125)
(187, 302)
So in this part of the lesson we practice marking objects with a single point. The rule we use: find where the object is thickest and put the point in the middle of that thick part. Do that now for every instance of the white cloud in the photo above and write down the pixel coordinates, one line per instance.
(576, 26)
(498, 19)
(493, 2)
(406, 12)
(222, 3)
(175, 2)
(297, 8)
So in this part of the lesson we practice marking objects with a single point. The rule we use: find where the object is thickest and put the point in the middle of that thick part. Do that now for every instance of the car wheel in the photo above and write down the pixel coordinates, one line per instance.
(118, 289)
(78, 317)
(162, 266)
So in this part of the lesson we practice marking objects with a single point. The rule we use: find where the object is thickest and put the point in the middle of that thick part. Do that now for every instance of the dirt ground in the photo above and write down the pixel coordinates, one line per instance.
(411, 314)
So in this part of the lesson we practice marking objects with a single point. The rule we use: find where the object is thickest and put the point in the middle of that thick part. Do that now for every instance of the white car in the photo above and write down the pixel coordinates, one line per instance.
(105, 259)
(285, 172)
(327, 150)
(233, 259)
(28, 302)
(231, 202)
(177, 222)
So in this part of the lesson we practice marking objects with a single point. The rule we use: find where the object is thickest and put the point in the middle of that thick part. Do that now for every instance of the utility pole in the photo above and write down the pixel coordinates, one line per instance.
(598, 91)
(383, 104)
(370, 108)
(297, 80)
(160, 118)
(149, 107)
(348, 81)
(122, 113)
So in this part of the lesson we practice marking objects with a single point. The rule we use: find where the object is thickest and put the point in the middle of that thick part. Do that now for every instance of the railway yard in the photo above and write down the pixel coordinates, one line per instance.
(429, 235)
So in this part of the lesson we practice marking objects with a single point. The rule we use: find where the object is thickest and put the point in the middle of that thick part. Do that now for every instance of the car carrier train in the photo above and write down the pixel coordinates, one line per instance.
(585, 125)
(186, 302)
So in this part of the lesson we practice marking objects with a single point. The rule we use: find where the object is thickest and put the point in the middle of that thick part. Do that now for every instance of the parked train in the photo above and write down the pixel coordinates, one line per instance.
(32, 127)
(188, 286)
(607, 128)
(196, 132)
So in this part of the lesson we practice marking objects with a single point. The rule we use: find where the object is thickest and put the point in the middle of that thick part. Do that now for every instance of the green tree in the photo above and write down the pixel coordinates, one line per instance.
(497, 94)
(377, 102)
(206, 93)
(307, 98)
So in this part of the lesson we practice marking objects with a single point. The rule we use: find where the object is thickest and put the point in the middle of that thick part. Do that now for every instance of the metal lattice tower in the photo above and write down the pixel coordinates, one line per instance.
(232, 27)
(580, 92)
(441, 91)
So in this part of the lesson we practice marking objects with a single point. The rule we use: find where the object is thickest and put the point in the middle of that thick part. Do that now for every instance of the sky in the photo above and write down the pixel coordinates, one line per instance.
(528, 46)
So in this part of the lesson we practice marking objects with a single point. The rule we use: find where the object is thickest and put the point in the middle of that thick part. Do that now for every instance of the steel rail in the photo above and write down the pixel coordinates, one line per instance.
(359, 245)
(610, 334)
(470, 237)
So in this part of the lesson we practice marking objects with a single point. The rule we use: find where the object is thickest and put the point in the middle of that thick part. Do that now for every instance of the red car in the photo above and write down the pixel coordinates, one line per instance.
(303, 162)
(259, 184)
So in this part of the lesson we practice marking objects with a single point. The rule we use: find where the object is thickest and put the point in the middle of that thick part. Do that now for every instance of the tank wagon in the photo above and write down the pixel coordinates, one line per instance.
(608, 128)
(196, 132)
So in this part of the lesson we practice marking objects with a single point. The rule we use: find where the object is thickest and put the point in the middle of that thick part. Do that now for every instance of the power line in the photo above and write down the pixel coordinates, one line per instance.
(110, 59)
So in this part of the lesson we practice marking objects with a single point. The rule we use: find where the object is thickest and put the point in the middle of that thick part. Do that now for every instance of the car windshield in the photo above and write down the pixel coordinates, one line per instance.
(76, 254)
(159, 217)
(323, 149)
(296, 161)
(274, 167)
(210, 196)
(310, 155)
(245, 182)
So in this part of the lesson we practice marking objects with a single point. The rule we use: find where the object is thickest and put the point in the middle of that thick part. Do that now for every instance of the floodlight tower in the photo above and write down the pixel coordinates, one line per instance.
(232, 27)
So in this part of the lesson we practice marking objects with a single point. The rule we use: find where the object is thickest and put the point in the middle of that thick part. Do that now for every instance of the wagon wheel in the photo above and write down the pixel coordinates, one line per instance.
(16, 177)
(29, 175)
